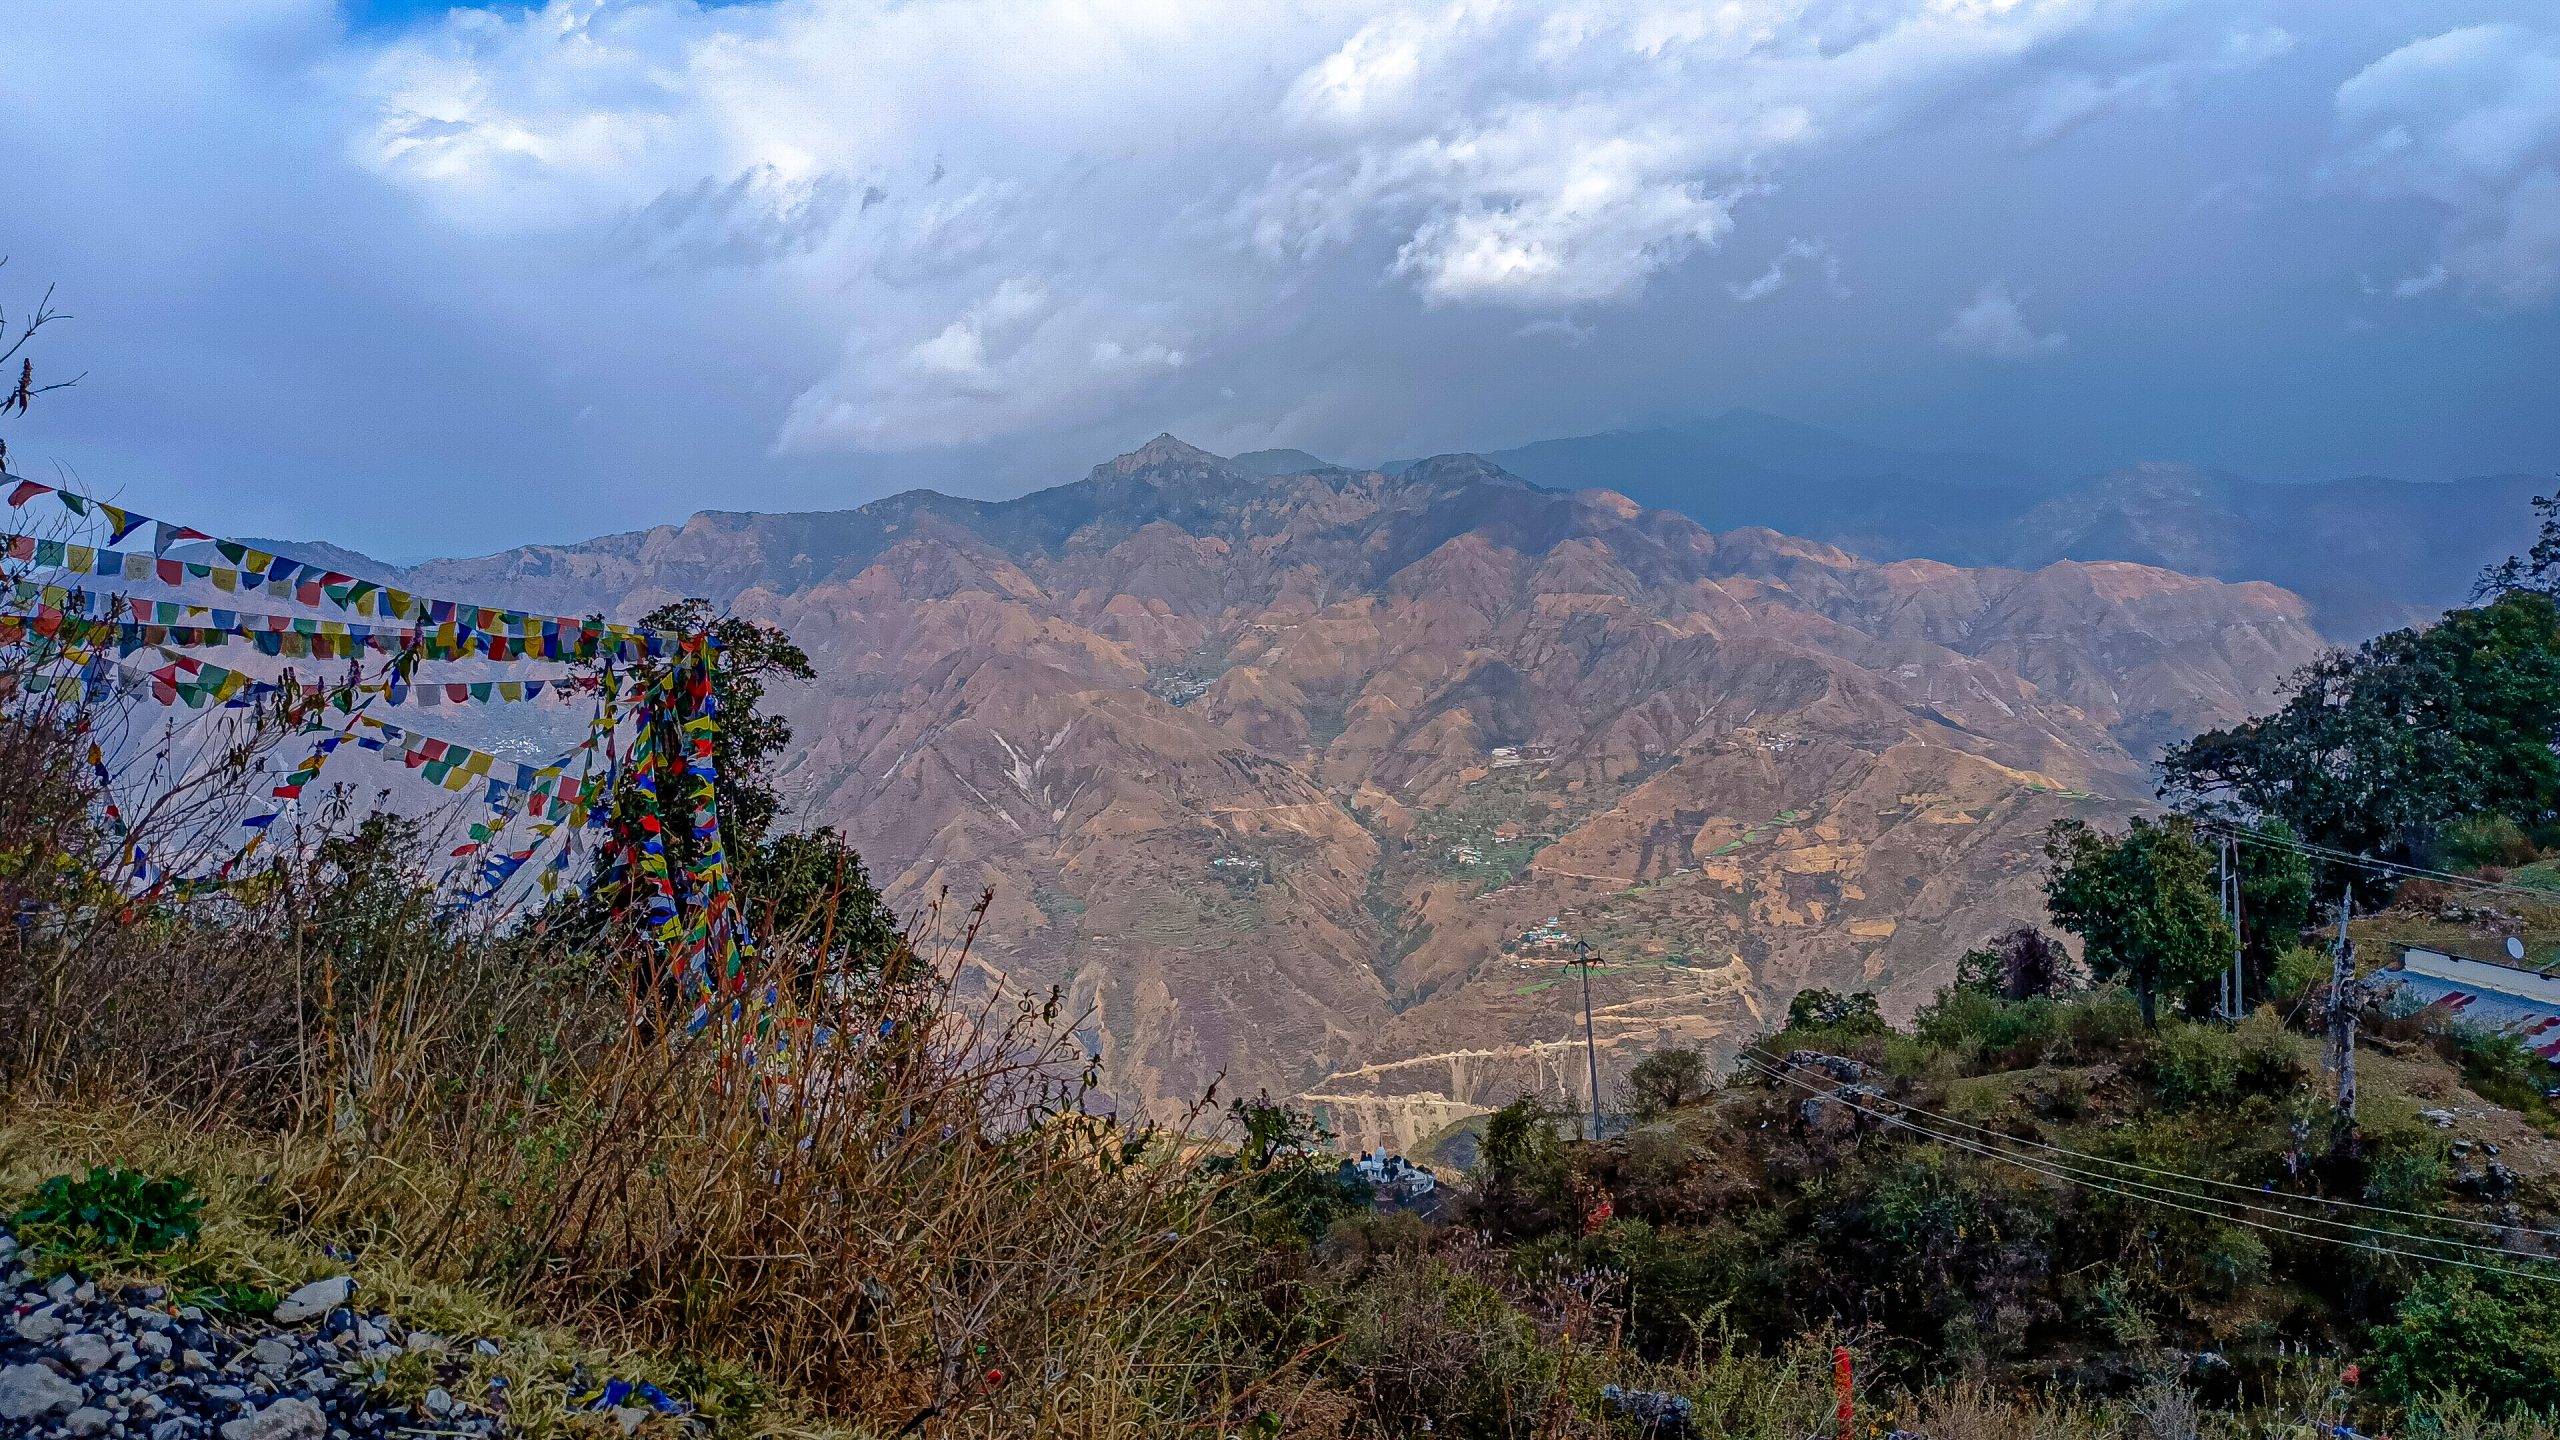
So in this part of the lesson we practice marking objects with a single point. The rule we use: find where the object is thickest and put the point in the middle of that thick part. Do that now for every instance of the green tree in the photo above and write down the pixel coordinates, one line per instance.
(1665, 1080)
(2275, 900)
(1853, 1012)
(2145, 904)
(1528, 1178)
(1288, 1182)
(807, 884)
(752, 656)
(2376, 749)
(2020, 965)
(2537, 571)
(2487, 1334)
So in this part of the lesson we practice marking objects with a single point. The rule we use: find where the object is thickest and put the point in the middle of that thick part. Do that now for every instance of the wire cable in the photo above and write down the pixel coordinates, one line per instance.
(2067, 1179)
(2241, 1204)
(2205, 1179)
(2249, 836)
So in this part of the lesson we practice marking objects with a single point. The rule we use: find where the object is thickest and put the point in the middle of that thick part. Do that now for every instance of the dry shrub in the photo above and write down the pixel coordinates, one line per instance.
(882, 1200)
(893, 1204)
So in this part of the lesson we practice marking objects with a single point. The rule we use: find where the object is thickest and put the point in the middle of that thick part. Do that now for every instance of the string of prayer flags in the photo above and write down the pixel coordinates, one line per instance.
(301, 582)
(692, 912)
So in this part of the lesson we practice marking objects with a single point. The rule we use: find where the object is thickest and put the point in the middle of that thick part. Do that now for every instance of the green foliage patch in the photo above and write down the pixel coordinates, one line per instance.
(110, 1210)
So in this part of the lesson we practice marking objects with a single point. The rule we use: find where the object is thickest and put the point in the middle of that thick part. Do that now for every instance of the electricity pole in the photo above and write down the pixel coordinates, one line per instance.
(2342, 1016)
(1590, 1048)
(2235, 986)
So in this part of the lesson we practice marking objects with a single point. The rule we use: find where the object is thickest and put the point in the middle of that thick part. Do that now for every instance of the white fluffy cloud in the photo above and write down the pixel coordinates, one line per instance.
(2470, 121)
(1024, 213)
(1992, 324)
(565, 262)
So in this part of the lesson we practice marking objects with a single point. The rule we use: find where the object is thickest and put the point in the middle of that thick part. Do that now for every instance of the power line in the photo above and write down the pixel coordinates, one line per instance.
(2182, 1175)
(2029, 1165)
(2249, 836)
(2245, 1205)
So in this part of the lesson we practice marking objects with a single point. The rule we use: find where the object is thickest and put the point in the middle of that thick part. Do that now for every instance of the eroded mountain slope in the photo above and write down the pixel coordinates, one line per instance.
(1272, 773)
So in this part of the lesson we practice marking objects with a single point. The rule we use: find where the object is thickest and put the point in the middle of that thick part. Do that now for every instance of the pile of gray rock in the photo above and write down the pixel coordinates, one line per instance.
(138, 1364)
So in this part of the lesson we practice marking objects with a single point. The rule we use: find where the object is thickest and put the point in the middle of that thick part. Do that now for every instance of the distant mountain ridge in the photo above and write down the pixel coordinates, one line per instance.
(1271, 773)
(2370, 554)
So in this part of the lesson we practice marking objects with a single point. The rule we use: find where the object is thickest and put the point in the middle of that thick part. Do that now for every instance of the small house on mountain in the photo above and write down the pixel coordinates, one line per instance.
(2496, 996)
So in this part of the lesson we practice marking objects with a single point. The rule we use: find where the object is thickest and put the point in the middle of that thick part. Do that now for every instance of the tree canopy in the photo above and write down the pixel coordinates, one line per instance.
(2377, 749)
(806, 882)
(2146, 905)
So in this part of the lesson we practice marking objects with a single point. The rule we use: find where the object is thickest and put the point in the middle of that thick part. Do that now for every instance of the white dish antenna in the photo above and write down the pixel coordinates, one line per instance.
(2515, 948)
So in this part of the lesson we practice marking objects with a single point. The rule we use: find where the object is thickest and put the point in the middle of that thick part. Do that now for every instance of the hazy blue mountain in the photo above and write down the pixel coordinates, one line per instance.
(1279, 462)
(2369, 553)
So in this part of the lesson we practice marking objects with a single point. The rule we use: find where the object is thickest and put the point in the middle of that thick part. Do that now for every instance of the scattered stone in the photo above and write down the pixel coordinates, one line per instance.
(438, 1403)
(29, 1392)
(2440, 1118)
(314, 1300)
(81, 1361)
(284, 1420)
(1838, 1067)
(85, 1352)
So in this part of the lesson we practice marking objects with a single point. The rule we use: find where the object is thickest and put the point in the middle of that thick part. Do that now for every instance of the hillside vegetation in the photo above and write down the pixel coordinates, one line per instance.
(875, 1195)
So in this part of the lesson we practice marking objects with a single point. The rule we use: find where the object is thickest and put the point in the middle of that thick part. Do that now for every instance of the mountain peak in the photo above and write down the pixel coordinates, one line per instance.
(1165, 449)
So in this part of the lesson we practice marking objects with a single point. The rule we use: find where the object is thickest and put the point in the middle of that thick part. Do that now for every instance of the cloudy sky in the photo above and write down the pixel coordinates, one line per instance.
(427, 280)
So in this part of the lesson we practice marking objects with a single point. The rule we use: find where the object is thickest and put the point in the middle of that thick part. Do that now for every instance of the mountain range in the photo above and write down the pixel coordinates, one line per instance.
(2369, 554)
(1306, 779)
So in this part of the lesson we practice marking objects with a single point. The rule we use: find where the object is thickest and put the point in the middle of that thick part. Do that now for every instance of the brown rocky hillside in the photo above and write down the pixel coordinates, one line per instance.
(1273, 772)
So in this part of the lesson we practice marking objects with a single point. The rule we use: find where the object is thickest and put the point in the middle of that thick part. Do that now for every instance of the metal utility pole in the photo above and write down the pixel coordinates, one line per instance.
(1590, 1048)
(2235, 989)
(2342, 1014)
(2222, 1002)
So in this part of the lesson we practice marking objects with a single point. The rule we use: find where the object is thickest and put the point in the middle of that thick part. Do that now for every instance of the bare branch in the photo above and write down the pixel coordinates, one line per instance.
(44, 315)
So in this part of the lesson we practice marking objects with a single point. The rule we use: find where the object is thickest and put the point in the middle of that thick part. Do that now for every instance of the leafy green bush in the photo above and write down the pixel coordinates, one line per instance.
(2196, 1065)
(2458, 1329)
(2477, 840)
(1428, 1346)
(1528, 1177)
(2298, 970)
(1984, 1030)
(1665, 1080)
(2103, 1023)
(2500, 1069)
(1851, 1013)
(1290, 1188)
(2406, 1177)
(111, 1209)
(2233, 1256)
